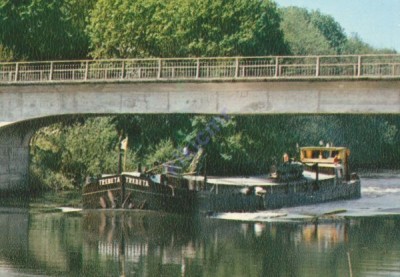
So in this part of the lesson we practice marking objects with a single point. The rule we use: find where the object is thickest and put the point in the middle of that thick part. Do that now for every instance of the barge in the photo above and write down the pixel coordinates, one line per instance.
(322, 174)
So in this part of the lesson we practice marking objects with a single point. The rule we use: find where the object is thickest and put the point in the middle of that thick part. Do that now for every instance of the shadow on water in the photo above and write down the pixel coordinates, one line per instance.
(130, 243)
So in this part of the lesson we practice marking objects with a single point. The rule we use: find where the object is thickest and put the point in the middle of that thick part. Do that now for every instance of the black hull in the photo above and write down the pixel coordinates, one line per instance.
(137, 197)
(179, 201)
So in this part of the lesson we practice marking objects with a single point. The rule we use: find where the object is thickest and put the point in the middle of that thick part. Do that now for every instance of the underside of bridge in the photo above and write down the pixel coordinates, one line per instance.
(24, 102)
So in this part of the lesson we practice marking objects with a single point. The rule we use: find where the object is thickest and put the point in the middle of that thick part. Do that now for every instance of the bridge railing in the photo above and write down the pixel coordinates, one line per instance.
(227, 68)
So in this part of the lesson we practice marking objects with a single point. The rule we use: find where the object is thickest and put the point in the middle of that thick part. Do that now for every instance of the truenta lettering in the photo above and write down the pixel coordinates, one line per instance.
(109, 181)
(135, 181)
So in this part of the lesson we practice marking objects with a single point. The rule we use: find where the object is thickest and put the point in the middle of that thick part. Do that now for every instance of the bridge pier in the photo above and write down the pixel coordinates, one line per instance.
(14, 158)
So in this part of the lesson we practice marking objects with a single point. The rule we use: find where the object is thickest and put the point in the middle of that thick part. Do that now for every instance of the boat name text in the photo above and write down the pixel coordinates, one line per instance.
(135, 181)
(109, 181)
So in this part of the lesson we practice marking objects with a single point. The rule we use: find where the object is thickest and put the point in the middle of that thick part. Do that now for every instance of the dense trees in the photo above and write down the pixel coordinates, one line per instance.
(229, 28)
(183, 28)
(303, 37)
(69, 29)
(63, 155)
(314, 33)
(43, 30)
(330, 29)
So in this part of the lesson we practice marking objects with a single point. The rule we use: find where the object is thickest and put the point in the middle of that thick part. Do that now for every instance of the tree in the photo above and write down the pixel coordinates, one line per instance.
(355, 45)
(313, 33)
(62, 156)
(302, 36)
(231, 27)
(6, 54)
(122, 28)
(330, 29)
(151, 28)
(41, 30)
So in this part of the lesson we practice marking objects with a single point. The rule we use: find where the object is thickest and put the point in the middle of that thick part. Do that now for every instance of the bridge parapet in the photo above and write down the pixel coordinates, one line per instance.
(203, 69)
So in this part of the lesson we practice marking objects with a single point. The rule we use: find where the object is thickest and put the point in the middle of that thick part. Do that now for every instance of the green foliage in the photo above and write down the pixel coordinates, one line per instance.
(150, 28)
(330, 29)
(121, 28)
(41, 30)
(388, 132)
(224, 144)
(314, 33)
(229, 28)
(63, 155)
(355, 45)
(46, 159)
(373, 140)
(160, 153)
(6, 54)
(303, 34)
(64, 29)
(90, 149)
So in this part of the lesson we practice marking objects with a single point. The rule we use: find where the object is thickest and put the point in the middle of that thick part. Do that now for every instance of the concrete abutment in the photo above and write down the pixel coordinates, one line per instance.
(14, 159)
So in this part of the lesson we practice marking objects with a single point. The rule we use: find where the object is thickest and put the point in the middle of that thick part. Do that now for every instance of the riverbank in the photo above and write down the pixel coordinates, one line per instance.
(53, 199)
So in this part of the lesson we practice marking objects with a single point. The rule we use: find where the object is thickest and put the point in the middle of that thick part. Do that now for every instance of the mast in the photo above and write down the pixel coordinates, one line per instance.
(121, 146)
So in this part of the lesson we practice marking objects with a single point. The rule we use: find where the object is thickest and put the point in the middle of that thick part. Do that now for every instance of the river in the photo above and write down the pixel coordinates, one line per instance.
(344, 238)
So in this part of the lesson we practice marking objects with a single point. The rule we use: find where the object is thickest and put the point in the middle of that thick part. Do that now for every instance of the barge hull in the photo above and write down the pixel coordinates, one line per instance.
(324, 191)
(133, 196)
(300, 193)
(227, 198)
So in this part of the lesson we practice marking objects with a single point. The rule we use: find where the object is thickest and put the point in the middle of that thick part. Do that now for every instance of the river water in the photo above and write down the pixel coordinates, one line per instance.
(359, 238)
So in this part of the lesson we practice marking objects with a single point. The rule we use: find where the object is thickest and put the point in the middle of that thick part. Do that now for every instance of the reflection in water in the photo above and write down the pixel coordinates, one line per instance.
(118, 243)
(146, 243)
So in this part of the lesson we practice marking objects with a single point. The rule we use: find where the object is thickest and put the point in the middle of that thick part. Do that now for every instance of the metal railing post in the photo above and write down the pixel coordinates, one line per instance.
(197, 68)
(359, 64)
(276, 67)
(159, 69)
(317, 67)
(236, 67)
(123, 70)
(16, 72)
(86, 70)
(51, 71)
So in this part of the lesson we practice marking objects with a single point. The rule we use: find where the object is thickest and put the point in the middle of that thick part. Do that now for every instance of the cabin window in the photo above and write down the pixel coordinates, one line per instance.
(308, 154)
(320, 154)
(325, 154)
(334, 153)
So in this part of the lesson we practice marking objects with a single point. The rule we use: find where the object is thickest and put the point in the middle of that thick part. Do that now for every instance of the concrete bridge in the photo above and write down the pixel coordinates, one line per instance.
(33, 95)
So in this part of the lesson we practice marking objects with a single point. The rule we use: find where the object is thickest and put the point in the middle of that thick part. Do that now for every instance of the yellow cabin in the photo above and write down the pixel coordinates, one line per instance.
(326, 157)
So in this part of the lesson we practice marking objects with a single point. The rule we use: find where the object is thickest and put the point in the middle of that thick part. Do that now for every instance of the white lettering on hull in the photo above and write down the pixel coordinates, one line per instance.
(138, 182)
(109, 181)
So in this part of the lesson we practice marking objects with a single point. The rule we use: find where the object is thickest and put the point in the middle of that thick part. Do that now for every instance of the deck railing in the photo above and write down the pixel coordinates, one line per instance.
(226, 68)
